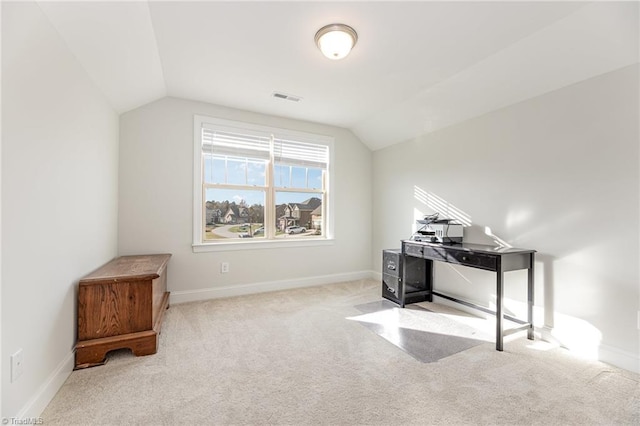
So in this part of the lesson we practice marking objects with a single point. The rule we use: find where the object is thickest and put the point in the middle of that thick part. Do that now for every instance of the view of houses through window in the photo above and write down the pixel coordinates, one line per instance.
(261, 185)
(239, 219)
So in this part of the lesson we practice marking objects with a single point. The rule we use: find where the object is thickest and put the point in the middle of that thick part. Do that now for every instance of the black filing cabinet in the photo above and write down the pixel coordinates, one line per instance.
(413, 287)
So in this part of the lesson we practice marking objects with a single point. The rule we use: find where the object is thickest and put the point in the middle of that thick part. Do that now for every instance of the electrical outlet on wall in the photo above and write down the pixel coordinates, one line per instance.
(224, 267)
(16, 365)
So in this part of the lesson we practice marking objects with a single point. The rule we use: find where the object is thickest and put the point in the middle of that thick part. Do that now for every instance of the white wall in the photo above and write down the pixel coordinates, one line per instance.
(557, 173)
(1, 374)
(59, 201)
(156, 207)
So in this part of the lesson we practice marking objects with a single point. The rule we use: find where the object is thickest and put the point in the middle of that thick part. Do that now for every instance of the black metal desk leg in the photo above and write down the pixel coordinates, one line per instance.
(499, 295)
(403, 278)
(530, 296)
(429, 277)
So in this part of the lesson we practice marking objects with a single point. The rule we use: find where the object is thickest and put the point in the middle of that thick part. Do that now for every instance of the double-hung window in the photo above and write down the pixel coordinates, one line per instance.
(256, 184)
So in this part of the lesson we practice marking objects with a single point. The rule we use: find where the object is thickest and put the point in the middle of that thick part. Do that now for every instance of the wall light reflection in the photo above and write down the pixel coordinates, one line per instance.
(517, 218)
(442, 206)
(496, 239)
(577, 335)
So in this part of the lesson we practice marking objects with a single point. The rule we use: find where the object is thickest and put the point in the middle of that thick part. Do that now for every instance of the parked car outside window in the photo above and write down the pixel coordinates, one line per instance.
(295, 230)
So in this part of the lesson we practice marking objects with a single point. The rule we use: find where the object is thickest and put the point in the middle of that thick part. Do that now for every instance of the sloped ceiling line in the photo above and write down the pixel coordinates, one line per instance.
(417, 67)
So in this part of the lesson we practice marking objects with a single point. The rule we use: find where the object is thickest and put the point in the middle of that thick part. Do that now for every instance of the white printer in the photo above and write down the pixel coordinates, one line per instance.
(434, 230)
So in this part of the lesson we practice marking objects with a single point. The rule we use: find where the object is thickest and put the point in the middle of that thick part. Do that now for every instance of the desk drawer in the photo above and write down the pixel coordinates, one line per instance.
(392, 262)
(413, 249)
(392, 284)
(434, 253)
(475, 260)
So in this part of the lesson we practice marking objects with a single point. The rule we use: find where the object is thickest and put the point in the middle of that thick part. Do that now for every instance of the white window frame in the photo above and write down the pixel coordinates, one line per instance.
(200, 245)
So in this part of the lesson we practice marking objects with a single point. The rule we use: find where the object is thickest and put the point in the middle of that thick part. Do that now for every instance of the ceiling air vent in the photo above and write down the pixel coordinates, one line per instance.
(281, 95)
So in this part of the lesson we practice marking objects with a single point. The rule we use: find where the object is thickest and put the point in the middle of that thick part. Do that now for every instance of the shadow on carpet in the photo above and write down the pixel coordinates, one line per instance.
(425, 335)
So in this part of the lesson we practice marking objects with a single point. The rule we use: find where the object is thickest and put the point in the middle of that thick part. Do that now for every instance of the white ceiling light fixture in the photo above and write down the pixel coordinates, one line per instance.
(335, 41)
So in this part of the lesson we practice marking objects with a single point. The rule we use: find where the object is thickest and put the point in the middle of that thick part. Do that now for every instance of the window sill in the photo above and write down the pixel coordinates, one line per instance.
(255, 245)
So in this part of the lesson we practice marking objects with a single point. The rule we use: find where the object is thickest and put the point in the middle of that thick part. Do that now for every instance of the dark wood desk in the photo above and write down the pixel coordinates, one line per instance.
(489, 258)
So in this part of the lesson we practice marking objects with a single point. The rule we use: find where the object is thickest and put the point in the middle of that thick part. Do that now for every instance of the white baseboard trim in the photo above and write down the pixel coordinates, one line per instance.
(263, 287)
(36, 405)
(605, 353)
(619, 358)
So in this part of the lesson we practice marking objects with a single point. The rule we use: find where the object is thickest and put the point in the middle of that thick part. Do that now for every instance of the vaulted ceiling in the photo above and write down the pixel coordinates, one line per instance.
(417, 66)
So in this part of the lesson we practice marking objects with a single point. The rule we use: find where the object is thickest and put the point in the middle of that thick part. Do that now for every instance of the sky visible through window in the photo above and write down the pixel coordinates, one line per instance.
(244, 171)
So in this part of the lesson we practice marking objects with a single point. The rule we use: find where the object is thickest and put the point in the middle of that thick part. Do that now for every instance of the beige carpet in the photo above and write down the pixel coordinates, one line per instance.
(301, 357)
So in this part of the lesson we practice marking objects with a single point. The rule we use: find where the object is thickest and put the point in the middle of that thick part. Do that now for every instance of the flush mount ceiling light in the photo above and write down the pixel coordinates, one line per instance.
(336, 40)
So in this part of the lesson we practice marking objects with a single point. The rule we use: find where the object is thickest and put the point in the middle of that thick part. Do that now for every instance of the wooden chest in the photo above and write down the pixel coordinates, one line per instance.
(121, 305)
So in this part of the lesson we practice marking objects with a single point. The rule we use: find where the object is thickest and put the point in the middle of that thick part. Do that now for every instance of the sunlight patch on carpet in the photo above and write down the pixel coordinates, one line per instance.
(425, 335)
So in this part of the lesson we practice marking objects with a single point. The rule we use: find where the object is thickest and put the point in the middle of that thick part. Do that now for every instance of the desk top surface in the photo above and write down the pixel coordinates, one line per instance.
(471, 247)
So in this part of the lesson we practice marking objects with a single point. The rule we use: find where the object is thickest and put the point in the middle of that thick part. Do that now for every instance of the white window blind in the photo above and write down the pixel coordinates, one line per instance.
(294, 153)
(255, 145)
(236, 144)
